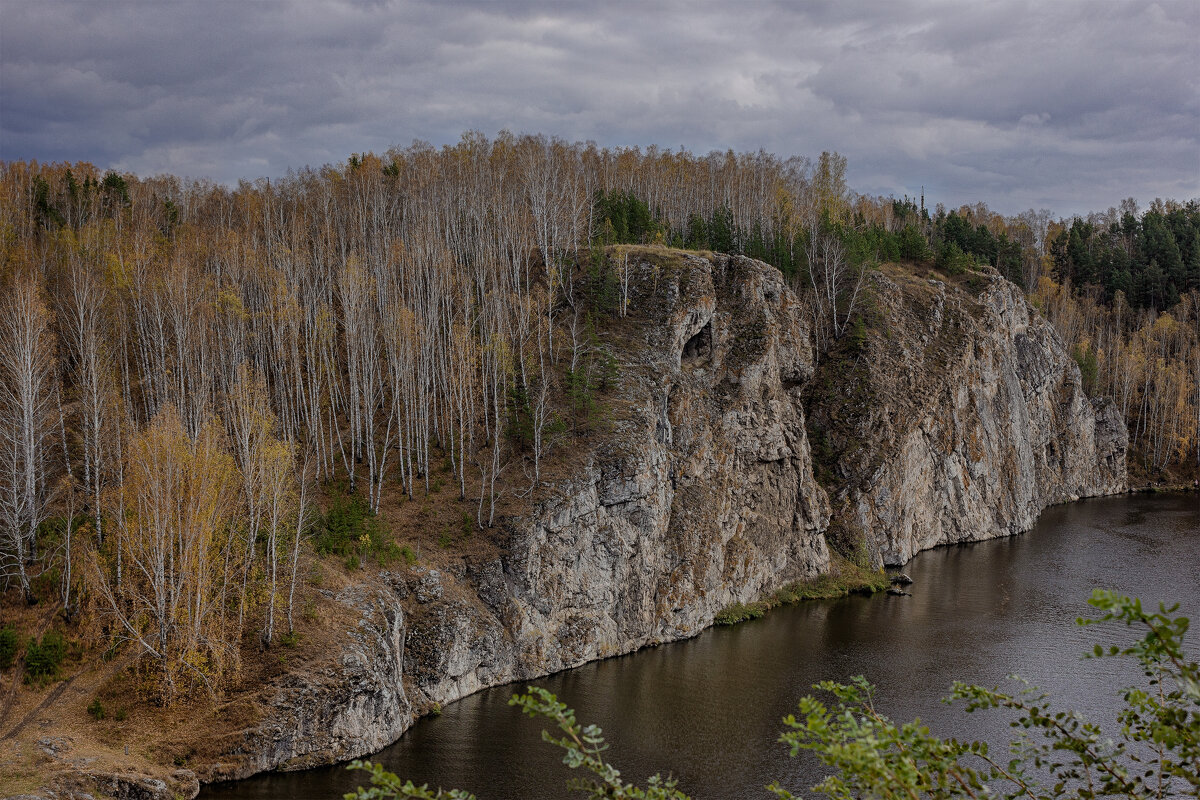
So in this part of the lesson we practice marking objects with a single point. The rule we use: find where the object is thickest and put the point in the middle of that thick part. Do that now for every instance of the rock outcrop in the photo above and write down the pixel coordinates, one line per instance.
(702, 495)
(968, 418)
(960, 418)
(356, 704)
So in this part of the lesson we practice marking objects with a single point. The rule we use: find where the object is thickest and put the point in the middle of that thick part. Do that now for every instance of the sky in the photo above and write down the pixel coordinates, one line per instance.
(1062, 105)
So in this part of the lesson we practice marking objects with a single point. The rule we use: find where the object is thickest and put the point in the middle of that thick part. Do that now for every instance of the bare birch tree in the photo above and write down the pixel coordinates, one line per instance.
(27, 416)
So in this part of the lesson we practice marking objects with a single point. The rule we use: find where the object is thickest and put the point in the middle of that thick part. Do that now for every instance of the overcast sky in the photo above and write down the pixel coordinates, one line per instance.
(1050, 104)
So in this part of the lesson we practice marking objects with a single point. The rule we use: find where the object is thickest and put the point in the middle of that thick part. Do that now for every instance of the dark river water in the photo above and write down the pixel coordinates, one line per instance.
(708, 710)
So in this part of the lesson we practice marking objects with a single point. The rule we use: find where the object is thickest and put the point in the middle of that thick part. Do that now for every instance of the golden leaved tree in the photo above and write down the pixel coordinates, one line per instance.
(179, 550)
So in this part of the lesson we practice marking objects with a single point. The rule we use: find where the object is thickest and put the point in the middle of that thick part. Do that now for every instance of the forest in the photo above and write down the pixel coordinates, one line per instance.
(198, 381)
(1153, 260)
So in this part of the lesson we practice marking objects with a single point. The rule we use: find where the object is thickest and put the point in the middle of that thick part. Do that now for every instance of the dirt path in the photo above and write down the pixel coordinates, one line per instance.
(47, 701)
(82, 685)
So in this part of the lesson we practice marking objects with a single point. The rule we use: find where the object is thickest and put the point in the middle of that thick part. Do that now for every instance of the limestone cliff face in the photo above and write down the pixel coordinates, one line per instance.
(702, 495)
(968, 418)
(960, 419)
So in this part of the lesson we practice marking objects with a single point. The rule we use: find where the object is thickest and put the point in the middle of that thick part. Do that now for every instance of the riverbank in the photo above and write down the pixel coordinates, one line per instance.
(707, 709)
(844, 579)
(1164, 489)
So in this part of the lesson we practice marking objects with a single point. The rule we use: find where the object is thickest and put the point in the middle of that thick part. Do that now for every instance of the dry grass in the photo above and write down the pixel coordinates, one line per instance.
(136, 733)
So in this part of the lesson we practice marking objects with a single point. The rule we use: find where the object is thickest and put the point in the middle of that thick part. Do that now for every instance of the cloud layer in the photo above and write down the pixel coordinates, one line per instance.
(1062, 105)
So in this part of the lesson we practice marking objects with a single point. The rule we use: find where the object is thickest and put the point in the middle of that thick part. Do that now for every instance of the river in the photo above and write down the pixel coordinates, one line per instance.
(708, 710)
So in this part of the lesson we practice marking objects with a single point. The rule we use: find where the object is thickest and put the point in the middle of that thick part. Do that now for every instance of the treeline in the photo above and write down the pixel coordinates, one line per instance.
(1153, 259)
(1123, 289)
(1147, 362)
(867, 229)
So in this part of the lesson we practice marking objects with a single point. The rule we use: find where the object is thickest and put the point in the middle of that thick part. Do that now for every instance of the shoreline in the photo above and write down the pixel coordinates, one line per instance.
(868, 583)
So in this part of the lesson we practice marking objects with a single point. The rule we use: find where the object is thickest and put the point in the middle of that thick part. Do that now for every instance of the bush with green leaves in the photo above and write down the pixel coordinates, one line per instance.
(952, 260)
(386, 785)
(341, 527)
(1156, 752)
(42, 659)
(10, 643)
(1059, 754)
(623, 217)
(350, 529)
(95, 709)
(1089, 366)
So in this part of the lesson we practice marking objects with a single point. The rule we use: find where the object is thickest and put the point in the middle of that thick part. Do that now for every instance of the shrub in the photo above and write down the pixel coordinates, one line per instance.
(10, 642)
(342, 525)
(740, 612)
(310, 614)
(45, 585)
(316, 577)
(350, 529)
(1154, 754)
(96, 709)
(42, 659)
(386, 553)
(912, 244)
(622, 217)
(856, 339)
(1085, 357)
(952, 260)
(850, 579)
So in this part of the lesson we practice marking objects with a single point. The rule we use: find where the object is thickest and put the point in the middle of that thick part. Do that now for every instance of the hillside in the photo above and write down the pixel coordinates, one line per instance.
(953, 414)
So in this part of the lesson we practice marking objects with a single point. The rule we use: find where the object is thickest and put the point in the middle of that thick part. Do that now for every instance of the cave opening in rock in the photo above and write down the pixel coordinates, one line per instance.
(699, 347)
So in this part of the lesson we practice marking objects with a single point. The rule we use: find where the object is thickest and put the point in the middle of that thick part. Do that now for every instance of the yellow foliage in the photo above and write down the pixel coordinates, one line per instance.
(174, 536)
(1143, 364)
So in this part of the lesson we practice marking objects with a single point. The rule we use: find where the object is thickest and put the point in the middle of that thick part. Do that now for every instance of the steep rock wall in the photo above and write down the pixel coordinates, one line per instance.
(960, 418)
(701, 496)
(969, 418)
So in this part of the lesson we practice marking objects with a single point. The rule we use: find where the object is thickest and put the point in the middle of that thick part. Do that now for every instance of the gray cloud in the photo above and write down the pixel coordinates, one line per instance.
(1064, 105)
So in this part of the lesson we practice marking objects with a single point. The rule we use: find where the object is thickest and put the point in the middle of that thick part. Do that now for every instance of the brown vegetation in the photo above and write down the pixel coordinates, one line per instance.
(1148, 363)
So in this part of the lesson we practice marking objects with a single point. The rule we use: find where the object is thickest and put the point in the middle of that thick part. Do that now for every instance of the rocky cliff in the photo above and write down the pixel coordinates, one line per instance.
(966, 417)
(955, 416)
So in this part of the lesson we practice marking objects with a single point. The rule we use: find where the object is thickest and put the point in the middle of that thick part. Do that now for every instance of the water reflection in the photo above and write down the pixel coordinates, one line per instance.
(709, 708)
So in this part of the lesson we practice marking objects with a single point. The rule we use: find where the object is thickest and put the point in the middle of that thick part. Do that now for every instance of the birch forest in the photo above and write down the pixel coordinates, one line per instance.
(186, 367)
